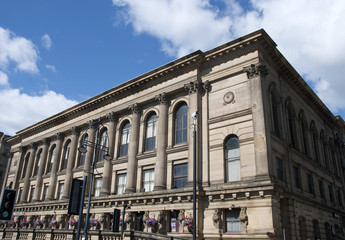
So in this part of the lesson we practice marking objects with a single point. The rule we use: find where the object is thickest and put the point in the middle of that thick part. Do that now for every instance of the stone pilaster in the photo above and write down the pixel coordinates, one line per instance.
(133, 149)
(255, 73)
(70, 163)
(162, 141)
(108, 167)
(89, 154)
(39, 181)
(194, 89)
(28, 173)
(53, 177)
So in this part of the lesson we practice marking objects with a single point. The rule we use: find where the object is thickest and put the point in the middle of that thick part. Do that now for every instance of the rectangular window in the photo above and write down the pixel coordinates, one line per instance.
(296, 177)
(98, 186)
(180, 175)
(280, 169)
(232, 220)
(321, 189)
(60, 191)
(148, 180)
(121, 183)
(310, 183)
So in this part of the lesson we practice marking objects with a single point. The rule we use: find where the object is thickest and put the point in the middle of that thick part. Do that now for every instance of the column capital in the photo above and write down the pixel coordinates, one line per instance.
(192, 87)
(74, 130)
(255, 70)
(111, 116)
(134, 108)
(32, 145)
(59, 136)
(161, 98)
(45, 141)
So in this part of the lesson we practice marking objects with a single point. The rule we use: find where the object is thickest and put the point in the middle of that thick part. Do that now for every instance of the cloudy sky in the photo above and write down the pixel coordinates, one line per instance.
(55, 54)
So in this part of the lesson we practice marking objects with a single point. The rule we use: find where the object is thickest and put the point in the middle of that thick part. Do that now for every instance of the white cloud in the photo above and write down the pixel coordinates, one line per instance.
(51, 67)
(17, 50)
(3, 79)
(310, 34)
(46, 41)
(23, 110)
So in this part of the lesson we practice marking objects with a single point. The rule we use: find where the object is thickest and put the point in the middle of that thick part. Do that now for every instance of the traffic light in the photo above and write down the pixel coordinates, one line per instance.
(75, 197)
(116, 220)
(7, 204)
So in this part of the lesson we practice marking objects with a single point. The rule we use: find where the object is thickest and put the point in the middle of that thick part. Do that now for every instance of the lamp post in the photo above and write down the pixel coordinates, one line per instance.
(194, 116)
(83, 149)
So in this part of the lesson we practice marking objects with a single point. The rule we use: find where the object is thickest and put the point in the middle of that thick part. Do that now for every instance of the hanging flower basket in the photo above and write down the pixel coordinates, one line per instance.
(11, 223)
(188, 222)
(24, 224)
(150, 222)
(72, 222)
(38, 223)
(94, 222)
(53, 223)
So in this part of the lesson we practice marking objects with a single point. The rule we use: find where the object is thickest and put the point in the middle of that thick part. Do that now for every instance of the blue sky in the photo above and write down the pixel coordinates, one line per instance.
(54, 54)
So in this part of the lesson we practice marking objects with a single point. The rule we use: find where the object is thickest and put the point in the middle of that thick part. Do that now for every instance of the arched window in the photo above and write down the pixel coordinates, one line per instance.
(37, 163)
(51, 159)
(103, 143)
(304, 129)
(232, 159)
(150, 132)
(276, 115)
(302, 228)
(67, 149)
(82, 156)
(181, 124)
(291, 125)
(26, 161)
(315, 142)
(316, 229)
(125, 131)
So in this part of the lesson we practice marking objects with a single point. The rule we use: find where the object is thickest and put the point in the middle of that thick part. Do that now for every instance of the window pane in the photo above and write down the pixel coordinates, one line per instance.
(181, 122)
(121, 183)
(98, 186)
(148, 180)
(232, 220)
(232, 158)
(103, 143)
(125, 139)
(180, 175)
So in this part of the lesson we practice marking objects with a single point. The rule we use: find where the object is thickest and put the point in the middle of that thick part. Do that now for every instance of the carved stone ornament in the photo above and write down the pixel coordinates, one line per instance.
(216, 218)
(161, 98)
(191, 87)
(111, 116)
(145, 217)
(74, 130)
(229, 97)
(244, 219)
(181, 216)
(255, 70)
(134, 108)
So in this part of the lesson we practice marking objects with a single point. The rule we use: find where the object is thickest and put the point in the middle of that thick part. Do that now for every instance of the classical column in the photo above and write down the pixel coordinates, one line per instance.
(107, 172)
(70, 163)
(53, 177)
(133, 149)
(39, 180)
(193, 89)
(162, 141)
(255, 74)
(89, 154)
(28, 173)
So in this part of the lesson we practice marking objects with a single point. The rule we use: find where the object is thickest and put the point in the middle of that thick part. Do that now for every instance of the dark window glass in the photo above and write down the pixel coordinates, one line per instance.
(280, 169)
(83, 155)
(296, 177)
(310, 183)
(38, 162)
(181, 124)
(304, 138)
(51, 159)
(275, 113)
(291, 128)
(340, 200)
(180, 175)
(66, 155)
(150, 133)
(331, 195)
(125, 139)
(26, 161)
(321, 189)
(314, 135)
(103, 143)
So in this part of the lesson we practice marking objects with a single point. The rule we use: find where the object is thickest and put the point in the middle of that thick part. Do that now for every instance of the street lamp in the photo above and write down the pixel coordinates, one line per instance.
(194, 116)
(83, 149)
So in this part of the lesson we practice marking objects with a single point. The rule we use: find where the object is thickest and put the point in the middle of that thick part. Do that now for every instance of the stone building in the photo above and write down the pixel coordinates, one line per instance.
(4, 154)
(270, 155)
